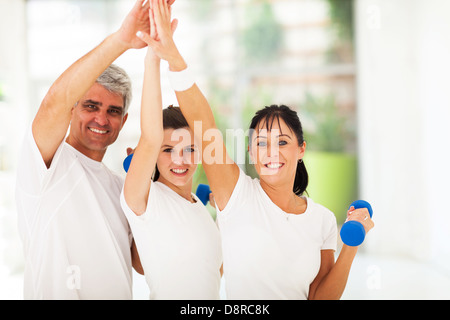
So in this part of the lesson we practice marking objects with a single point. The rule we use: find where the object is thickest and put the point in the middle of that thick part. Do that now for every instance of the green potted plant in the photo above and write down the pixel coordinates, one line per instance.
(331, 164)
(262, 38)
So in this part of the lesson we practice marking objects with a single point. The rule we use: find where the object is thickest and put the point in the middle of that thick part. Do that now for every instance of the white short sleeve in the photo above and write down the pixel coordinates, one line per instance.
(33, 174)
(329, 232)
(238, 197)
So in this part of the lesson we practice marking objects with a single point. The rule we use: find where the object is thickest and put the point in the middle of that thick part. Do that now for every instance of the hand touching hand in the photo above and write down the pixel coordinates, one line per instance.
(160, 38)
(136, 20)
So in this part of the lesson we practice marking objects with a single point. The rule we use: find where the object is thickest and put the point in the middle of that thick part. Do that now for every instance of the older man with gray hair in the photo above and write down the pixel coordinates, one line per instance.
(77, 242)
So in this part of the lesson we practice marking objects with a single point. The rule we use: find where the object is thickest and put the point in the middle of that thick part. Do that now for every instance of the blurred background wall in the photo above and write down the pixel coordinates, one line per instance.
(367, 78)
(403, 111)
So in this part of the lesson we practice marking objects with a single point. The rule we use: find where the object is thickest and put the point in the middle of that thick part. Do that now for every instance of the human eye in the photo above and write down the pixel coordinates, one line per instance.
(261, 144)
(115, 111)
(90, 107)
(282, 143)
(189, 149)
(168, 150)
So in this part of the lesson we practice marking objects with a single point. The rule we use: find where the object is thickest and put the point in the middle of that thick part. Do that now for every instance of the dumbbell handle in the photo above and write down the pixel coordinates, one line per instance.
(203, 192)
(353, 232)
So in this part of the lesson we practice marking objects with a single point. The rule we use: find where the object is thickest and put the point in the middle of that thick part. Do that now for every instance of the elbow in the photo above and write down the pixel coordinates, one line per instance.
(138, 268)
(325, 293)
(135, 259)
(325, 296)
(150, 141)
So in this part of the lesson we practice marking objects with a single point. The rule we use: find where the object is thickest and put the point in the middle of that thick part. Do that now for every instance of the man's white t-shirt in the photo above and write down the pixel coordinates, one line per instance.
(76, 238)
(268, 253)
(179, 246)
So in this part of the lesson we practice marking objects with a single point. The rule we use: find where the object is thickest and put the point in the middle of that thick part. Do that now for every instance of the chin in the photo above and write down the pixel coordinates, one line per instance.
(178, 181)
(97, 147)
(271, 179)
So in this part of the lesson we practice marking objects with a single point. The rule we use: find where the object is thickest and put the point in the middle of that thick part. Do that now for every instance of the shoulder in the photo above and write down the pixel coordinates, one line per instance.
(247, 180)
(247, 187)
(160, 195)
(320, 211)
(119, 179)
(242, 194)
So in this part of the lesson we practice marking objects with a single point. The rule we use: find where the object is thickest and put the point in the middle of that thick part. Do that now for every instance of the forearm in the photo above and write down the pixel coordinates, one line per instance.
(193, 103)
(196, 108)
(138, 180)
(333, 284)
(220, 169)
(81, 75)
(151, 103)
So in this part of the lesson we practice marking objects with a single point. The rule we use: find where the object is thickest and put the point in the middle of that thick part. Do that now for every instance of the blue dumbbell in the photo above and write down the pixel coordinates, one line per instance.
(203, 192)
(127, 161)
(353, 232)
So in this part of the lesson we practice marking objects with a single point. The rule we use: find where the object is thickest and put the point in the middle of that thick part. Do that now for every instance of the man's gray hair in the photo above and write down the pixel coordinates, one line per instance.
(116, 80)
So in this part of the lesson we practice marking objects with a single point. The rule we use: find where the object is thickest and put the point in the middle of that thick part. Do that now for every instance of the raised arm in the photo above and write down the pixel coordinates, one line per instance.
(222, 172)
(53, 117)
(138, 179)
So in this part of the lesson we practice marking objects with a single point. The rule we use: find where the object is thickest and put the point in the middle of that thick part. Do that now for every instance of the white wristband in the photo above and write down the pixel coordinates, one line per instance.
(181, 80)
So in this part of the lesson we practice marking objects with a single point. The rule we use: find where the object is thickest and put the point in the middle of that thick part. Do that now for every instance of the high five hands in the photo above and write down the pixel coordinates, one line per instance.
(160, 36)
(136, 20)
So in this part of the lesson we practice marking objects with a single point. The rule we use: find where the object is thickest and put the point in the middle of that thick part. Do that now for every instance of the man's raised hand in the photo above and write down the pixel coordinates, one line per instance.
(136, 20)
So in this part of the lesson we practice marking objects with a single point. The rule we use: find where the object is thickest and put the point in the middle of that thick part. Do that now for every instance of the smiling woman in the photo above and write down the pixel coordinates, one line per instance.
(177, 239)
(291, 239)
(279, 143)
(179, 152)
(177, 163)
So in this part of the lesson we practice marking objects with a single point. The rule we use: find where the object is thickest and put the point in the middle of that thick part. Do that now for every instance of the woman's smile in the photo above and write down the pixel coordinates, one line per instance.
(179, 172)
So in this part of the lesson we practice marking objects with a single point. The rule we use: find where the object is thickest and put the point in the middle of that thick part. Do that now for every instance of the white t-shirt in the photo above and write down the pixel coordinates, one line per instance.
(268, 253)
(76, 238)
(179, 246)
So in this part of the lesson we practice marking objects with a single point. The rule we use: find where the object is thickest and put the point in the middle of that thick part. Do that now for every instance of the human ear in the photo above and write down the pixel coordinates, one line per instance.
(125, 117)
(302, 149)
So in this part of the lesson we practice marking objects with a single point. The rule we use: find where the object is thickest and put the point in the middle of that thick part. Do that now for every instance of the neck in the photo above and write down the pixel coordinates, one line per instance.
(96, 155)
(284, 197)
(183, 191)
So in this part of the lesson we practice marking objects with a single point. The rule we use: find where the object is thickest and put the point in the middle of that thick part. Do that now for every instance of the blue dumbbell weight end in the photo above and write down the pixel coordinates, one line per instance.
(352, 232)
(203, 192)
(126, 162)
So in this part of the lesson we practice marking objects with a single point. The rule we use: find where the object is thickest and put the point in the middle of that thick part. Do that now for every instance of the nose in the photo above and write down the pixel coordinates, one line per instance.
(269, 150)
(177, 157)
(272, 150)
(101, 117)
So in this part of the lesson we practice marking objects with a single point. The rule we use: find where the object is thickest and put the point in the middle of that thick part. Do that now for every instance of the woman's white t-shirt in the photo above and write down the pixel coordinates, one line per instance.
(268, 253)
(179, 246)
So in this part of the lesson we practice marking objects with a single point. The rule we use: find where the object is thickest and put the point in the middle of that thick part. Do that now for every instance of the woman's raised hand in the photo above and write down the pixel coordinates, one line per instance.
(160, 38)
